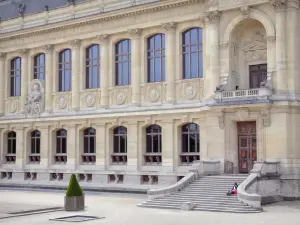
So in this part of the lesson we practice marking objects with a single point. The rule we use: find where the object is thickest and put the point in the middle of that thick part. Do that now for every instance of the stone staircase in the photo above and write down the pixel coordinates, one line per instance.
(208, 194)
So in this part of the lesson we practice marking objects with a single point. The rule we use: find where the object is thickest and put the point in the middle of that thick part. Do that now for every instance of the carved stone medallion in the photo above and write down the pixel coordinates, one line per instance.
(121, 97)
(243, 114)
(90, 99)
(62, 101)
(190, 91)
(154, 94)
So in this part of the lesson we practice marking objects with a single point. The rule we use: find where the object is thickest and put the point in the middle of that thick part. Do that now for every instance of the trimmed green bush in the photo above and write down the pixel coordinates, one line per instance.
(74, 188)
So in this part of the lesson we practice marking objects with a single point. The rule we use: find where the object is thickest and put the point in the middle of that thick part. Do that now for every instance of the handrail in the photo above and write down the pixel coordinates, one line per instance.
(155, 193)
(253, 200)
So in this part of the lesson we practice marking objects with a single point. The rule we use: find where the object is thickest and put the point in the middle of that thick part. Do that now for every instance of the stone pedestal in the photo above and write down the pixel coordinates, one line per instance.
(75, 203)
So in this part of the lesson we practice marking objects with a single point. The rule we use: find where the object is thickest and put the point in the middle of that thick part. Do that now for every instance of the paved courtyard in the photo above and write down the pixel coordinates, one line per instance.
(121, 209)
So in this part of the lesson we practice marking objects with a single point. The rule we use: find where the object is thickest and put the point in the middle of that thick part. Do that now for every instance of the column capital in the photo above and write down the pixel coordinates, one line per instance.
(135, 33)
(2, 56)
(23, 52)
(171, 26)
(102, 37)
(75, 43)
(212, 17)
(278, 4)
(48, 48)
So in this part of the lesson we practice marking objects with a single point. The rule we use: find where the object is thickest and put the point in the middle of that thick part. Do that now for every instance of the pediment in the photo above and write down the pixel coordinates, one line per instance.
(256, 45)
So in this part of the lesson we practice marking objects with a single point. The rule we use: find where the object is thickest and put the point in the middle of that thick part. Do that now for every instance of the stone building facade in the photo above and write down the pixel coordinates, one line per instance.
(130, 93)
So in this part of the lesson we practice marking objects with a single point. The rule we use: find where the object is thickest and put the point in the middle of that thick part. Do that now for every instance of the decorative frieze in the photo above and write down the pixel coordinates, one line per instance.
(75, 43)
(2, 56)
(102, 37)
(154, 94)
(48, 48)
(279, 4)
(121, 96)
(23, 52)
(135, 33)
(213, 17)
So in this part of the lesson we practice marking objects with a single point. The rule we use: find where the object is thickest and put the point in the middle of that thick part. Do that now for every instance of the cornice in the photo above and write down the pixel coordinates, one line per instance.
(93, 19)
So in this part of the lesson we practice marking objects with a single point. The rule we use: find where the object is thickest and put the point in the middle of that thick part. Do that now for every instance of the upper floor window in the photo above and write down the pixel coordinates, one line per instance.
(15, 76)
(123, 62)
(65, 70)
(39, 67)
(92, 67)
(192, 53)
(156, 58)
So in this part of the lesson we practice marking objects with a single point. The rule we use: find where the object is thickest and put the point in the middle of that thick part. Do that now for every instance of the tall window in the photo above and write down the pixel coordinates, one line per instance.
(153, 144)
(89, 145)
(11, 147)
(15, 76)
(35, 146)
(65, 70)
(119, 145)
(123, 62)
(93, 67)
(156, 58)
(39, 67)
(190, 143)
(61, 146)
(192, 53)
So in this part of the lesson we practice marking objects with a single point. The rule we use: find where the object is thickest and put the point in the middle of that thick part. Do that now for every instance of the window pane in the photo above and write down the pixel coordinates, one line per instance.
(64, 145)
(148, 144)
(33, 147)
(116, 144)
(163, 77)
(9, 146)
(58, 145)
(122, 144)
(14, 145)
(192, 143)
(38, 144)
(155, 143)
(86, 144)
(184, 143)
(194, 65)
(92, 145)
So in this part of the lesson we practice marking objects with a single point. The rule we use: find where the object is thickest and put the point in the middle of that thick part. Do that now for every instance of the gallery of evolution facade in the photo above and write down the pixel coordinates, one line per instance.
(131, 93)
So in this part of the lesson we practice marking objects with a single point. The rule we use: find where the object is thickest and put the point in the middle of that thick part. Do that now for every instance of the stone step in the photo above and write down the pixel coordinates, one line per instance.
(228, 210)
(221, 201)
(201, 202)
(208, 198)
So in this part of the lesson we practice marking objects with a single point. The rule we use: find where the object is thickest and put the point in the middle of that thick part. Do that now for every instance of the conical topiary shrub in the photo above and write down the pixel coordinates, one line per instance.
(74, 188)
(74, 199)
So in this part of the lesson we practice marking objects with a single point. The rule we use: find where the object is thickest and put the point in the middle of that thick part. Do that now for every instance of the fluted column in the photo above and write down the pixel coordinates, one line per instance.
(49, 78)
(24, 76)
(170, 60)
(104, 69)
(135, 65)
(75, 73)
(2, 84)
(212, 22)
(281, 65)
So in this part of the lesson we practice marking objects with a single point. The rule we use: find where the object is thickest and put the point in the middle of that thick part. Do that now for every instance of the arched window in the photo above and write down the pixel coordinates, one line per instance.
(61, 146)
(35, 147)
(119, 145)
(156, 58)
(39, 67)
(192, 53)
(89, 145)
(92, 67)
(190, 143)
(123, 62)
(11, 147)
(15, 76)
(153, 144)
(65, 70)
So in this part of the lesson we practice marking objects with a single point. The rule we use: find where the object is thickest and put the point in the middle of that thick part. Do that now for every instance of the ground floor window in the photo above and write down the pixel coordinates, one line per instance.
(190, 143)
(11, 147)
(89, 145)
(35, 146)
(119, 154)
(153, 145)
(61, 146)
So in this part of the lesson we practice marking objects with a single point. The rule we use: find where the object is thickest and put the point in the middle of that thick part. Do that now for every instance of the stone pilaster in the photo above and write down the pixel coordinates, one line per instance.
(73, 148)
(101, 150)
(2, 84)
(281, 55)
(45, 161)
(212, 77)
(104, 69)
(135, 65)
(24, 76)
(75, 73)
(20, 148)
(49, 78)
(132, 146)
(170, 60)
(168, 149)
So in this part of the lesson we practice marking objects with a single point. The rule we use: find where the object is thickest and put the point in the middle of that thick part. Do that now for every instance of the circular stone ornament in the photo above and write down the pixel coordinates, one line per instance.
(154, 94)
(120, 97)
(90, 100)
(62, 102)
(190, 91)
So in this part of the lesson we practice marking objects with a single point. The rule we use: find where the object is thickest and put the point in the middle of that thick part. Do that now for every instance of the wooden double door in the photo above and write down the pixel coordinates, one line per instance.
(247, 153)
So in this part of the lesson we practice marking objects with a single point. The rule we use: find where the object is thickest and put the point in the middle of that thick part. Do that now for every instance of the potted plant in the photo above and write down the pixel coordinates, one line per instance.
(74, 199)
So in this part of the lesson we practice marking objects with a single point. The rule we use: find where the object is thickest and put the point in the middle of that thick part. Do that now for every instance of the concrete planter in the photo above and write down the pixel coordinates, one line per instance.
(75, 203)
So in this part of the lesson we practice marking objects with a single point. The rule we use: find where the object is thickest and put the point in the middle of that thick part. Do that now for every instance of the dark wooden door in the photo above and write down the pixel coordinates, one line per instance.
(257, 74)
(246, 146)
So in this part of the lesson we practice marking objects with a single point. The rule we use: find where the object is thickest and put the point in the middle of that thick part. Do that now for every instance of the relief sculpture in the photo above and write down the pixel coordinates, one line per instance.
(35, 101)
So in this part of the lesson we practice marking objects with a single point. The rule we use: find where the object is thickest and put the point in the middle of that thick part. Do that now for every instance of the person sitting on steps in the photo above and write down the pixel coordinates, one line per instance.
(233, 191)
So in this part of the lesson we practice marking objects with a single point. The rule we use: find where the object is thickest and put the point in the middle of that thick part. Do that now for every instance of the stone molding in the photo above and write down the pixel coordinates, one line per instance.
(278, 4)
(213, 17)
(75, 43)
(2, 56)
(245, 10)
(135, 33)
(23, 52)
(48, 48)
(171, 26)
(102, 37)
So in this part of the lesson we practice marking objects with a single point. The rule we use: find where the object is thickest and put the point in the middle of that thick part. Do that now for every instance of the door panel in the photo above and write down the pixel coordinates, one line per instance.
(257, 74)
